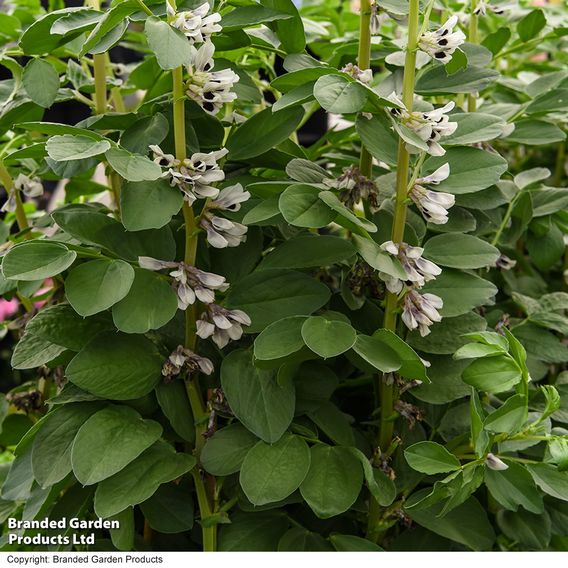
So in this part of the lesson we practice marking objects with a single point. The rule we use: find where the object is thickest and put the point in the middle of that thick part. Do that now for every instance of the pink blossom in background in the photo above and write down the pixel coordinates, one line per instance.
(8, 308)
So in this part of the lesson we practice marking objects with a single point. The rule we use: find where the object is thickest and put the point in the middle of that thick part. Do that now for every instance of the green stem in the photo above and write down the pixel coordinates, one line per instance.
(99, 64)
(472, 38)
(8, 183)
(144, 7)
(505, 220)
(191, 384)
(560, 163)
(388, 393)
(364, 62)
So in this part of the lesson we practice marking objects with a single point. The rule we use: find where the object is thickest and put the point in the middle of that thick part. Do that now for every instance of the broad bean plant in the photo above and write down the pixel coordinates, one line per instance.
(228, 333)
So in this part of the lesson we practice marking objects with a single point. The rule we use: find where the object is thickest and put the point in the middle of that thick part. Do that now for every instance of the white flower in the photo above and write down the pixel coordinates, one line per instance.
(185, 359)
(221, 324)
(429, 126)
(420, 311)
(440, 44)
(230, 198)
(223, 233)
(190, 283)
(194, 175)
(418, 270)
(378, 16)
(484, 5)
(364, 76)
(196, 24)
(210, 89)
(505, 263)
(493, 462)
(433, 205)
(30, 186)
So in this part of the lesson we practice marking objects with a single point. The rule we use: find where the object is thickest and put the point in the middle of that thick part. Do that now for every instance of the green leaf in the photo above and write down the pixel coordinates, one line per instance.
(149, 204)
(471, 169)
(263, 405)
(290, 31)
(270, 473)
(513, 488)
(246, 16)
(301, 206)
(262, 132)
(446, 337)
(412, 365)
(148, 130)
(340, 95)
(382, 488)
(529, 530)
(308, 251)
(531, 25)
(170, 46)
(97, 285)
(446, 384)
(297, 96)
(36, 260)
(41, 82)
(270, 295)
(435, 81)
(377, 353)
(33, 351)
(109, 440)
(150, 303)
(52, 446)
(333, 482)
(536, 132)
(478, 350)
(431, 458)
(140, 479)
(258, 532)
(280, 339)
(301, 540)
(170, 509)
(550, 480)
(375, 257)
(172, 399)
(551, 101)
(509, 418)
(328, 338)
(467, 524)
(132, 167)
(351, 543)
(378, 137)
(461, 292)
(492, 374)
(332, 201)
(474, 128)
(117, 366)
(67, 147)
(496, 41)
(333, 423)
(123, 537)
(225, 451)
(61, 325)
(457, 250)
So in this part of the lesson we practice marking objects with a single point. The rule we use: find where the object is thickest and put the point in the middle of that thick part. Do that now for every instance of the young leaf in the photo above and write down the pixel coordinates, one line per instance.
(41, 82)
(169, 45)
(328, 338)
(431, 458)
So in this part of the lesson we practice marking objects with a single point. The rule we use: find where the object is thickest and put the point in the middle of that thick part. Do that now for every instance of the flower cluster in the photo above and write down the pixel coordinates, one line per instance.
(184, 359)
(196, 24)
(30, 186)
(364, 76)
(209, 89)
(430, 126)
(433, 205)
(441, 43)
(221, 324)
(354, 187)
(193, 175)
(222, 232)
(191, 284)
(420, 311)
(484, 5)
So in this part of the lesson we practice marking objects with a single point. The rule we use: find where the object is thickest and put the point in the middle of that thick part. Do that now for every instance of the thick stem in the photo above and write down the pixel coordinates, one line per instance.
(8, 183)
(472, 38)
(364, 62)
(191, 384)
(99, 65)
(388, 394)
